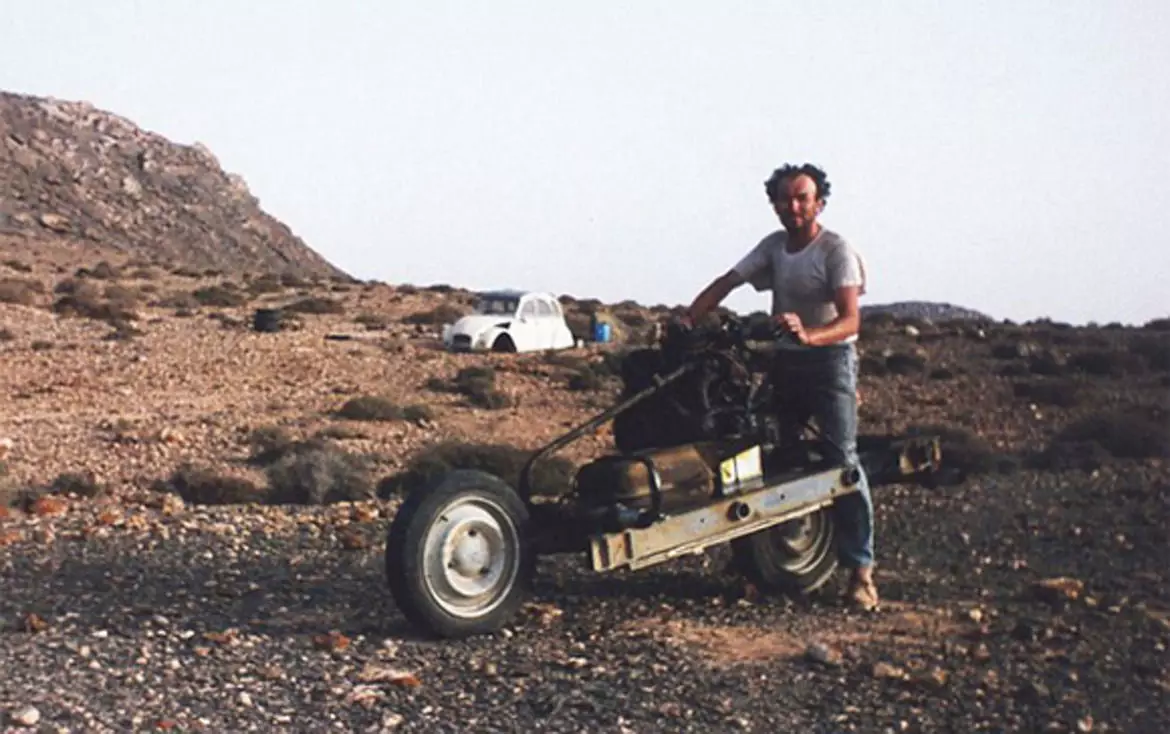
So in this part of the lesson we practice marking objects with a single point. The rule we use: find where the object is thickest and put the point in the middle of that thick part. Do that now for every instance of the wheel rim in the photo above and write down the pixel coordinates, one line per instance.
(472, 553)
(800, 544)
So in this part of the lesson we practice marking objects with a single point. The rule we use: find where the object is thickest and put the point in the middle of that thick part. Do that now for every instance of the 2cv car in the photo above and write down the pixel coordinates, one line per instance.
(703, 455)
(511, 321)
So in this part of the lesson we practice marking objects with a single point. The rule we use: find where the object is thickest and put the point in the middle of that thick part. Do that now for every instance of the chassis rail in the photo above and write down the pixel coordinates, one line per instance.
(748, 511)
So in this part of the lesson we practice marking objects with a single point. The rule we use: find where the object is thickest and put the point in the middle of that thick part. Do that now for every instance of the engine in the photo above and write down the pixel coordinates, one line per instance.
(708, 403)
(678, 439)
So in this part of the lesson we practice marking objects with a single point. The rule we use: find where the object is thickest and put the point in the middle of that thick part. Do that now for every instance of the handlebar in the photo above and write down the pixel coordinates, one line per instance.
(761, 336)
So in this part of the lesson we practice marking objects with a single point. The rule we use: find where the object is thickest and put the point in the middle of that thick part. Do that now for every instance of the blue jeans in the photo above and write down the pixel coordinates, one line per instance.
(822, 385)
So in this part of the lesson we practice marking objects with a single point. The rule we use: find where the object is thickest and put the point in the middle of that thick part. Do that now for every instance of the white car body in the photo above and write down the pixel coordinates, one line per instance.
(507, 321)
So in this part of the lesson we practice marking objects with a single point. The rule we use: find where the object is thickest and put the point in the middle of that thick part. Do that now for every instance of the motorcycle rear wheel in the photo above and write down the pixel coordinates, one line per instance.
(797, 557)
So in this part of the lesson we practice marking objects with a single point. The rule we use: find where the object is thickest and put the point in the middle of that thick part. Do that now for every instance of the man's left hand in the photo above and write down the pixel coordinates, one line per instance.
(792, 322)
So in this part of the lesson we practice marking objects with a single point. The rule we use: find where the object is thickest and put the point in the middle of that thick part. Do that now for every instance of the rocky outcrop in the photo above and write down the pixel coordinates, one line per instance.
(925, 311)
(71, 171)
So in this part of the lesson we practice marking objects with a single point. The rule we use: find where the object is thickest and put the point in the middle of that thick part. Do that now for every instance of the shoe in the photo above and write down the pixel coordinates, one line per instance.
(862, 592)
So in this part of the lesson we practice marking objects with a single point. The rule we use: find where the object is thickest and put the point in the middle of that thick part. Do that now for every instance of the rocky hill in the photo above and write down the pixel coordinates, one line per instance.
(76, 175)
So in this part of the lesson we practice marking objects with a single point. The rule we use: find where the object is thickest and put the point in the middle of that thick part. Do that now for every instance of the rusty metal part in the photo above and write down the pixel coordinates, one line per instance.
(746, 512)
(718, 522)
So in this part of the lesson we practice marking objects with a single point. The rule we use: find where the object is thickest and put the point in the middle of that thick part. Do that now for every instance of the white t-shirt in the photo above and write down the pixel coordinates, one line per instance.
(804, 282)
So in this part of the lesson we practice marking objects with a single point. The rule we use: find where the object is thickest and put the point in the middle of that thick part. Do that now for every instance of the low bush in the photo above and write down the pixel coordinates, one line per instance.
(444, 313)
(550, 476)
(219, 296)
(201, 486)
(1154, 349)
(377, 408)
(20, 291)
(86, 299)
(905, 363)
(372, 321)
(1060, 393)
(319, 473)
(1124, 433)
(1106, 363)
(316, 305)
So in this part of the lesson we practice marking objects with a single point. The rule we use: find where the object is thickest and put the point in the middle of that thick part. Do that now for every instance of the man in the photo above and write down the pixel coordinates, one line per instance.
(816, 278)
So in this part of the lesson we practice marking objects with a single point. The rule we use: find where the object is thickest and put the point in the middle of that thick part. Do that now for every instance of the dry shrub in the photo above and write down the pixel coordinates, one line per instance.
(633, 318)
(550, 476)
(1047, 363)
(585, 379)
(201, 486)
(123, 331)
(267, 283)
(18, 266)
(318, 473)
(1154, 349)
(871, 365)
(144, 273)
(178, 300)
(478, 385)
(20, 291)
(6, 335)
(341, 433)
(292, 280)
(905, 363)
(184, 271)
(444, 313)
(80, 484)
(555, 358)
(219, 296)
(102, 271)
(269, 443)
(1124, 433)
(378, 408)
(1061, 393)
(1106, 363)
(1065, 455)
(373, 321)
(316, 305)
(88, 300)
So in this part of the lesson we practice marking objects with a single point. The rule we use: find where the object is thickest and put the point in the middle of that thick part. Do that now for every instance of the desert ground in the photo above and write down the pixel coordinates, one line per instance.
(193, 513)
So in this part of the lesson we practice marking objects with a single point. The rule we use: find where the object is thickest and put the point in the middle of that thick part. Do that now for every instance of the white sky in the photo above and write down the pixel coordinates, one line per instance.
(1012, 157)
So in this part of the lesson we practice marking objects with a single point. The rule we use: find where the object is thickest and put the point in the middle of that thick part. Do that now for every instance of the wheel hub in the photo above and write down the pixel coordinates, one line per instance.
(472, 553)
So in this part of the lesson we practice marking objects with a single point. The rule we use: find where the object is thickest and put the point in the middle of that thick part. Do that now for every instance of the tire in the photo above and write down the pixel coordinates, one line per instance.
(503, 343)
(488, 530)
(796, 557)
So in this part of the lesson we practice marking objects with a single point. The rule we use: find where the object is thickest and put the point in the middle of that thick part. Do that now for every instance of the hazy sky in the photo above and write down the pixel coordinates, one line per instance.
(1013, 157)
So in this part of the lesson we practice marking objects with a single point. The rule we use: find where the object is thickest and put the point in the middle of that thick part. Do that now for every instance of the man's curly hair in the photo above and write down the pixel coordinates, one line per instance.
(819, 177)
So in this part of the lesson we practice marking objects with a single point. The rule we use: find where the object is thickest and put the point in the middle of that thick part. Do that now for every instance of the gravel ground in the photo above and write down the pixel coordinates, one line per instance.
(278, 619)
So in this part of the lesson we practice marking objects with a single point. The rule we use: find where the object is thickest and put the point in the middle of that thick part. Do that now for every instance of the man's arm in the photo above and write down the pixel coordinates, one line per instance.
(711, 296)
(847, 323)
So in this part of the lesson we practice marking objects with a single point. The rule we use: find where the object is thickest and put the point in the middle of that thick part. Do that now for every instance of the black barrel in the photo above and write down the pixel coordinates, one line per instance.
(266, 320)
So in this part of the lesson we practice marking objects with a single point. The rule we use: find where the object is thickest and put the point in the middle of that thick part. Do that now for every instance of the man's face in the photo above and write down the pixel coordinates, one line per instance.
(796, 201)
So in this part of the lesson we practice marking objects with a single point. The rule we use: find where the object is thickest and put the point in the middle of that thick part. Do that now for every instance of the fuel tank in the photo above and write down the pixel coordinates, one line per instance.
(686, 476)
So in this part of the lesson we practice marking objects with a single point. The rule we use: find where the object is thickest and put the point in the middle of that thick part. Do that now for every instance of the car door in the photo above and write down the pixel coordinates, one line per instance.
(546, 324)
(528, 328)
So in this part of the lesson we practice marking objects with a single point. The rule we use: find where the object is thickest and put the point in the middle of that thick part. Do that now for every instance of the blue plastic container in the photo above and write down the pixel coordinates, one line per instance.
(601, 332)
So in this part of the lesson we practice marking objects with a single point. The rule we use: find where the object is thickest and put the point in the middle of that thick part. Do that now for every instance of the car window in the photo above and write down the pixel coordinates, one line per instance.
(543, 308)
(496, 306)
